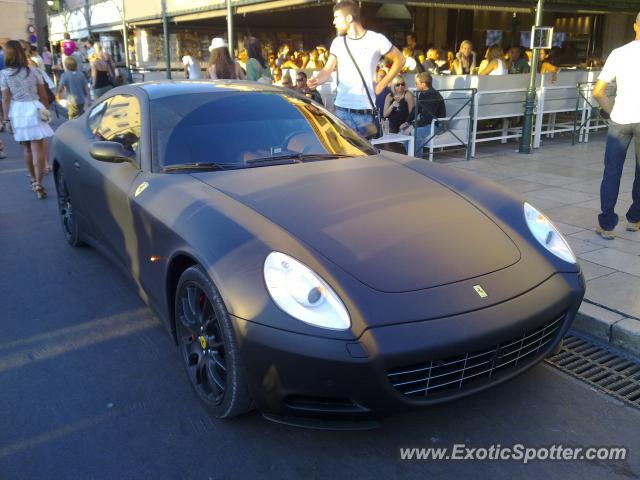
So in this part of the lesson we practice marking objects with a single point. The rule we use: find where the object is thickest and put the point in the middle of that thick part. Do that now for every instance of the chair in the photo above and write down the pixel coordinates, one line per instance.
(454, 129)
(557, 94)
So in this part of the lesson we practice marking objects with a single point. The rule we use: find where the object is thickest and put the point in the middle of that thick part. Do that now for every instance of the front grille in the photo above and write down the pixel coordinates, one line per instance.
(435, 378)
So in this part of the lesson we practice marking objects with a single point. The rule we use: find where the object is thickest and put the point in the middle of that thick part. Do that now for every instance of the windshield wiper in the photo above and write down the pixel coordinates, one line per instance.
(201, 166)
(297, 158)
(280, 160)
(311, 157)
(277, 160)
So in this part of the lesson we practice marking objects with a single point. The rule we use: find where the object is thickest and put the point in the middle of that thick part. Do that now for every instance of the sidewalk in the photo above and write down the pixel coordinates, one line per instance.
(563, 181)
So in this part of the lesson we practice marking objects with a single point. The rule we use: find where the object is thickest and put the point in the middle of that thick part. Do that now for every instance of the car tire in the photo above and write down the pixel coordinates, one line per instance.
(68, 218)
(208, 347)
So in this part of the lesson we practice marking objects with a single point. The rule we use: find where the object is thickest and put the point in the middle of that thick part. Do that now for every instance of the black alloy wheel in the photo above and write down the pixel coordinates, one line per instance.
(65, 209)
(207, 346)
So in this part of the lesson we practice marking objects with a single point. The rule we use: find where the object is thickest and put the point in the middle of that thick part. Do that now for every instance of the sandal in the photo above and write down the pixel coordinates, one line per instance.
(2, 155)
(40, 191)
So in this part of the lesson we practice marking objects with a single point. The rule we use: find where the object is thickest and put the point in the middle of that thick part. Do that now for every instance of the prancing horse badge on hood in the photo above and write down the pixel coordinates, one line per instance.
(480, 291)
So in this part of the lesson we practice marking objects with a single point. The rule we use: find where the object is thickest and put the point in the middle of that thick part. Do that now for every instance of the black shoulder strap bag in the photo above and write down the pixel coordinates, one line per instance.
(375, 113)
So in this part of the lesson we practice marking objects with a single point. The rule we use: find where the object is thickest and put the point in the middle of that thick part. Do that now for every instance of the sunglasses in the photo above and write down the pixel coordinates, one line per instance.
(400, 84)
(299, 79)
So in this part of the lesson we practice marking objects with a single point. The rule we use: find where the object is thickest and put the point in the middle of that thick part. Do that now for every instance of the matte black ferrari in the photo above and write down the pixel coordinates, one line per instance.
(301, 271)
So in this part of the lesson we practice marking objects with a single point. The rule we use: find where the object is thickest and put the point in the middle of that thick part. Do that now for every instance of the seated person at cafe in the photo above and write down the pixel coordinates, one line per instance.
(276, 73)
(517, 61)
(283, 54)
(314, 60)
(465, 61)
(547, 62)
(431, 63)
(430, 105)
(286, 81)
(410, 64)
(494, 64)
(415, 52)
(301, 86)
(398, 104)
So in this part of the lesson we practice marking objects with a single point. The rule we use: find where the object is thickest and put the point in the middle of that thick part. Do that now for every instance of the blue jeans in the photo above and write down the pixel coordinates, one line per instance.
(421, 134)
(355, 120)
(618, 140)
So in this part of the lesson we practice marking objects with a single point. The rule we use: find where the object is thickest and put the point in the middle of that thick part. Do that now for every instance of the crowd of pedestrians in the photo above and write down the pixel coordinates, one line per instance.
(371, 77)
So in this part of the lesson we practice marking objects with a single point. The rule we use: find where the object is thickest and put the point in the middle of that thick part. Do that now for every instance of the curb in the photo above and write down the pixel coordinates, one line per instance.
(611, 327)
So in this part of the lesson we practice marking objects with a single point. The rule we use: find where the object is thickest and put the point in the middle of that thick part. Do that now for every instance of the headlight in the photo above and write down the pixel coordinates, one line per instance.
(547, 234)
(301, 293)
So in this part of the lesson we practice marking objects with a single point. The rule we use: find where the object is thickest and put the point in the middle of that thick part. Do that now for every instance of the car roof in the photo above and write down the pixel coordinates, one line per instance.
(165, 88)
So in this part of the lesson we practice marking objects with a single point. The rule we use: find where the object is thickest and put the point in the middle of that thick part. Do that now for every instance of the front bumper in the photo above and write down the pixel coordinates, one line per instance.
(290, 374)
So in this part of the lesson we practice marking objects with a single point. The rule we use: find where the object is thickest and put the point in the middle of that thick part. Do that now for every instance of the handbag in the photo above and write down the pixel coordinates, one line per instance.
(377, 125)
(44, 115)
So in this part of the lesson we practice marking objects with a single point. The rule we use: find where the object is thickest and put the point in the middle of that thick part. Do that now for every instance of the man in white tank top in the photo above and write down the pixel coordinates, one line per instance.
(623, 67)
(352, 101)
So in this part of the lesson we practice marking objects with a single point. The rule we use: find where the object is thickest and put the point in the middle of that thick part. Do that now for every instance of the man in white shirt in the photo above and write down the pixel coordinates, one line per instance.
(623, 67)
(354, 103)
(191, 66)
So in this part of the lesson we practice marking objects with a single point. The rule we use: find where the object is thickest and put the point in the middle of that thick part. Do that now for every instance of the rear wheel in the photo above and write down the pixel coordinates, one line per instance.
(208, 347)
(65, 209)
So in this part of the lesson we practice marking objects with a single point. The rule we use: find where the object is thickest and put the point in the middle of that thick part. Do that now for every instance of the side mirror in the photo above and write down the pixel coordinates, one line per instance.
(112, 152)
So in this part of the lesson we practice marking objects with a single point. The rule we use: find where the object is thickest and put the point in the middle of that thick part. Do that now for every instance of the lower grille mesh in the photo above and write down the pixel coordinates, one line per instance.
(455, 373)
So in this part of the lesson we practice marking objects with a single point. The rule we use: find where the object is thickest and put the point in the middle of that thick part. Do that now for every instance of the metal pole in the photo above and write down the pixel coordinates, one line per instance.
(165, 32)
(54, 60)
(530, 103)
(455, 42)
(230, 28)
(125, 39)
(87, 16)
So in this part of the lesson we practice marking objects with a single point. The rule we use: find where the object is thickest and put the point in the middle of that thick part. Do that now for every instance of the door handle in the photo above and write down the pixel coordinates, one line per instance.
(76, 165)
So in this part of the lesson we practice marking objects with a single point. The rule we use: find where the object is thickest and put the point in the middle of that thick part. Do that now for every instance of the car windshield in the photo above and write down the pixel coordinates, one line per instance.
(246, 129)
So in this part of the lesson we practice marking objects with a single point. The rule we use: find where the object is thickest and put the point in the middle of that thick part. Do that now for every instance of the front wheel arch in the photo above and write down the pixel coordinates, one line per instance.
(177, 266)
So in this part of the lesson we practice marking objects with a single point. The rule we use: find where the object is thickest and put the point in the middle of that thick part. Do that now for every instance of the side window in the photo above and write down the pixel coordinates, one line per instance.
(119, 122)
(96, 115)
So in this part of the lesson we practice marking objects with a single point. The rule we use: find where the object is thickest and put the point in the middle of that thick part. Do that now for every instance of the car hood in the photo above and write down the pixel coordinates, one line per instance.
(390, 227)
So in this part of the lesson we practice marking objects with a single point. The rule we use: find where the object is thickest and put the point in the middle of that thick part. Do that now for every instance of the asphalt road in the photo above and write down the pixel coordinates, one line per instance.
(91, 387)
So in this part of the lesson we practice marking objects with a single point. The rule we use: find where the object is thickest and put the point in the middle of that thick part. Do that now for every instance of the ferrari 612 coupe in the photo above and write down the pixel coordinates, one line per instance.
(300, 270)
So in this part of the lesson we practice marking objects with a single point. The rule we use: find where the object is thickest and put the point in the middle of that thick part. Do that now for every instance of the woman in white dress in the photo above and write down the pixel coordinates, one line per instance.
(25, 105)
(493, 64)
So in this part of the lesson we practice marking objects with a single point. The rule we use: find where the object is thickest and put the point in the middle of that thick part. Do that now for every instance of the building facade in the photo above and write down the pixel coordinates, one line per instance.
(17, 21)
(584, 29)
